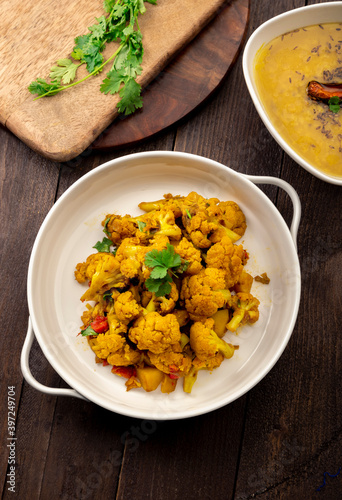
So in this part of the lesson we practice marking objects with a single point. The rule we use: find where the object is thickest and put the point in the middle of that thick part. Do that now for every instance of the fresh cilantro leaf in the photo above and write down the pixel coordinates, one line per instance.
(98, 30)
(104, 245)
(135, 42)
(111, 84)
(93, 61)
(105, 226)
(153, 258)
(108, 295)
(65, 71)
(158, 272)
(88, 331)
(141, 225)
(166, 258)
(159, 287)
(41, 87)
(141, 6)
(121, 58)
(334, 104)
(130, 97)
(119, 11)
(161, 261)
(108, 5)
(164, 289)
(88, 50)
(183, 267)
(170, 258)
(128, 30)
(132, 68)
(77, 53)
(129, 59)
(81, 46)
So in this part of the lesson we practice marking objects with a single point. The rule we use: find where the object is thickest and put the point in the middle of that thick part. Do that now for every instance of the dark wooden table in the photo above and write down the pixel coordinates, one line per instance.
(281, 440)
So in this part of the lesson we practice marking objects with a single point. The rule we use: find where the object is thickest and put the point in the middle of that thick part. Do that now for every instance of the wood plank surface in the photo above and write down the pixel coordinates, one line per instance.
(62, 126)
(282, 440)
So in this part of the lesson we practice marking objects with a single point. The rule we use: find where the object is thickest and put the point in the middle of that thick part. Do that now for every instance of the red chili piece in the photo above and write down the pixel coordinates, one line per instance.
(124, 371)
(173, 372)
(100, 324)
(323, 91)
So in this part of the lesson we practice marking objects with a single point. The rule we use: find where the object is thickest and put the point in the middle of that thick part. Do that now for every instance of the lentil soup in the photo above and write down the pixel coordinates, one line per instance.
(283, 68)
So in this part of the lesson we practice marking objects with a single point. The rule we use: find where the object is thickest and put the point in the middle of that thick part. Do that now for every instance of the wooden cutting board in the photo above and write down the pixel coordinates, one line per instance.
(35, 33)
(186, 82)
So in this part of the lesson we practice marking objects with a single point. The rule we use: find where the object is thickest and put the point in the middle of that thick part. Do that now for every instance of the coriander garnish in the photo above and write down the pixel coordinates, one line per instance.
(120, 25)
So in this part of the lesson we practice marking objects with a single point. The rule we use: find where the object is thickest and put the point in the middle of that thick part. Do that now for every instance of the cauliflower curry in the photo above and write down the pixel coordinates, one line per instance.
(165, 287)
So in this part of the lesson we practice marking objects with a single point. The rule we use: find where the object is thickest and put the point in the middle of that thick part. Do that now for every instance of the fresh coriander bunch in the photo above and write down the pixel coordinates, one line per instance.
(120, 24)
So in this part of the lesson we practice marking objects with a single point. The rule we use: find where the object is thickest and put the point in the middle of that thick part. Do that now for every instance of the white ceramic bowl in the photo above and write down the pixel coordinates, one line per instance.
(288, 21)
(67, 236)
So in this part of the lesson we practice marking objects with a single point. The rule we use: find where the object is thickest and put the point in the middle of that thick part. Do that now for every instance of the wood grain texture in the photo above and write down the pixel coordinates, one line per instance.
(23, 205)
(188, 471)
(34, 35)
(186, 82)
(62, 126)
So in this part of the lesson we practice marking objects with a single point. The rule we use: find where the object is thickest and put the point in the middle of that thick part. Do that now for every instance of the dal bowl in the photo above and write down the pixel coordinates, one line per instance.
(278, 66)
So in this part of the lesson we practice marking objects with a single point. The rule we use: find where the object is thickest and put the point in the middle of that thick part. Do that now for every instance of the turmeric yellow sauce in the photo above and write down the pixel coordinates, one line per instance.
(283, 68)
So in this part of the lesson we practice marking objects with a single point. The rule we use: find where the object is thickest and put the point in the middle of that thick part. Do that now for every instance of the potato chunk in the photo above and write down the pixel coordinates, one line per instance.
(221, 318)
(150, 377)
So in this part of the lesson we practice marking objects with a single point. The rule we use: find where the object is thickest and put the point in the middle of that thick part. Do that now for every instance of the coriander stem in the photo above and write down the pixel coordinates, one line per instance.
(97, 70)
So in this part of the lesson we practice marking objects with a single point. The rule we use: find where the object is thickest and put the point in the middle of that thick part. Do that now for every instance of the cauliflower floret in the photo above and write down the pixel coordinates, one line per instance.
(234, 215)
(163, 304)
(154, 332)
(198, 364)
(176, 363)
(206, 343)
(104, 276)
(115, 326)
(195, 219)
(125, 356)
(131, 257)
(187, 251)
(206, 222)
(107, 343)
(219, 255)
(195, 202)
(246, 310)
(126, 307)
(85, 270)
(199, 229)
(225, 255)
(169, 202)
(162, 223)
(118, 228)
(182, 316)
(209, 363)
(205, 293)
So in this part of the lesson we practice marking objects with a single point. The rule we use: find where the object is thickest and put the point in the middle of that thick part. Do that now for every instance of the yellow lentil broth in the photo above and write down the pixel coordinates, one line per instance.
(283, 69)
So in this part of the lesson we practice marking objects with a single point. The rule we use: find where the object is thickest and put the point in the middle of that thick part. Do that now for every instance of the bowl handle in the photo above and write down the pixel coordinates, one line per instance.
(259, 179)
(25, 369)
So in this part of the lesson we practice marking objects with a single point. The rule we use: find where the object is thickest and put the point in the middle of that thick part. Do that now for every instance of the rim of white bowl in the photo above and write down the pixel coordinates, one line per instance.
(138, 412)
